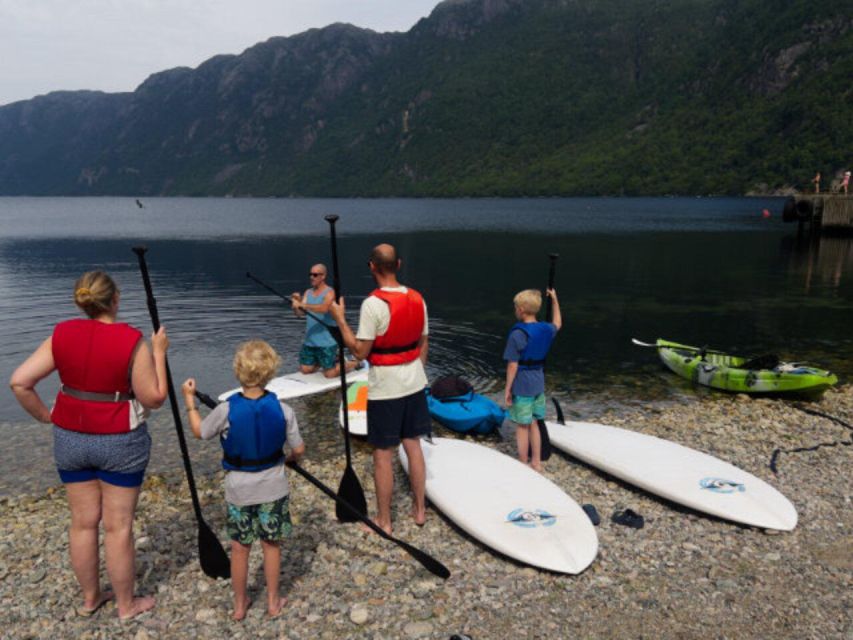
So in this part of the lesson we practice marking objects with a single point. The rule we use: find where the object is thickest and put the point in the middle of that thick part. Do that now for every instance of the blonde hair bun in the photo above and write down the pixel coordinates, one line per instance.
(94, 292)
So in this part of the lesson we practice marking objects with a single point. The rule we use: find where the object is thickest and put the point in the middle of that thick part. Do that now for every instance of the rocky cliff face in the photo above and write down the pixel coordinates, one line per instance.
(483, 97)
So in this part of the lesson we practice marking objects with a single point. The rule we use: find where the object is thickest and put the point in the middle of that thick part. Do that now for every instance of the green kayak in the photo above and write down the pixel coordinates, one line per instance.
(732, 373)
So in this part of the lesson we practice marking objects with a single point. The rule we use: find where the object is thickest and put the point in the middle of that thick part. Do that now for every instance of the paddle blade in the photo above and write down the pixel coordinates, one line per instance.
(429, 563)
(350, 491)
(214, 561)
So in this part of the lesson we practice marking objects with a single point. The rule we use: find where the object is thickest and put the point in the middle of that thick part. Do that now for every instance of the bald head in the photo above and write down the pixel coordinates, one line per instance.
(384, 259)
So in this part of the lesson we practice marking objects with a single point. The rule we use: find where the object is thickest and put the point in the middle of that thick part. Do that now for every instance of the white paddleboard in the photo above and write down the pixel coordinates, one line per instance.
(677, 473)
(295, 385)
(357, 415)
(507, 506)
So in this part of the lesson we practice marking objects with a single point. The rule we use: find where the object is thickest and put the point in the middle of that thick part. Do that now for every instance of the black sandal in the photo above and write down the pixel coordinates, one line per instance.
(629, 518)
(592, 514)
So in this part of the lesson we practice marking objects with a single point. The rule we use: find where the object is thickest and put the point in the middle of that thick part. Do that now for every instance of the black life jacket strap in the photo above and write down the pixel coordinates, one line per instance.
(403, 349)
(532, 363)
(238, 461)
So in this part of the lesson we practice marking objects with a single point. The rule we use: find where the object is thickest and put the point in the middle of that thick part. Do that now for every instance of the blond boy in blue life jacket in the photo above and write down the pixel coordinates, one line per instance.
(253, 426)
(527, 346)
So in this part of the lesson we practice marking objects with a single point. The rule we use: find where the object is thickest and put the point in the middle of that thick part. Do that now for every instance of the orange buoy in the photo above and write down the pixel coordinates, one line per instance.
(765, 213)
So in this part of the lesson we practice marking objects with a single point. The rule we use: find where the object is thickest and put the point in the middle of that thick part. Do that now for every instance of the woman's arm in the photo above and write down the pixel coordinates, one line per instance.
(148, 377)
(39, 365)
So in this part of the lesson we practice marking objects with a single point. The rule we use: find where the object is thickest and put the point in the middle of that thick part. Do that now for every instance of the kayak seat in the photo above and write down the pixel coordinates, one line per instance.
(768, 361)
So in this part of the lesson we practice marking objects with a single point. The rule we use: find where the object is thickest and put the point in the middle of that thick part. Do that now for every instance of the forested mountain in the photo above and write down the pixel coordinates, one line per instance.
(483, 97)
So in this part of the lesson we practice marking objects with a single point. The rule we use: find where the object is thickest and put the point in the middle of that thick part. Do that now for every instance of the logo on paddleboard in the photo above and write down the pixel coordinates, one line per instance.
(721, 485)
(531, 518)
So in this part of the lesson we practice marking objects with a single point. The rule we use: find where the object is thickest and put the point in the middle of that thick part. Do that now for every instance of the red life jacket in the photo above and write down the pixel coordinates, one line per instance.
(93, 357)
(400, 343)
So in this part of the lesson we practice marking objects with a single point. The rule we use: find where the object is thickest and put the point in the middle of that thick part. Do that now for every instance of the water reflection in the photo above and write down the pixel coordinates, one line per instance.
(816, 257)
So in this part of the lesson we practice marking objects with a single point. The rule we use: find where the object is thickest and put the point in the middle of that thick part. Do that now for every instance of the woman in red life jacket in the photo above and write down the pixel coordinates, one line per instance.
(110, 378)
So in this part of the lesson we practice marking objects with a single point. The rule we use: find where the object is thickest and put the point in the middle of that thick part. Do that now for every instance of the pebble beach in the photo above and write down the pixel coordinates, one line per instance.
(684, 575)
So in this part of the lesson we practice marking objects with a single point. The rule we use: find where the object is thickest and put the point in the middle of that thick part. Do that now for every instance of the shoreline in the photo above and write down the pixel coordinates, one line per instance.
(684, 575)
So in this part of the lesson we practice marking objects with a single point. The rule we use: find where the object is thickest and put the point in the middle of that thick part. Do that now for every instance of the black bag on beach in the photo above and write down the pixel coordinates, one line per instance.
(450, 387)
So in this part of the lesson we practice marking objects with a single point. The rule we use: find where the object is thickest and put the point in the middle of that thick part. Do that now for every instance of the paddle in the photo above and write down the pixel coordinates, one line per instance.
(430, 564)
(350, 489)
(336, 333)
(545, 448)
(214, 561)
(680, 348)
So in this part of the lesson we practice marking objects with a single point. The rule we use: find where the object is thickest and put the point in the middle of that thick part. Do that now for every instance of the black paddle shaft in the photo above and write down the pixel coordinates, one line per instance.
(350, 487)
(552, 276)
(213, 559)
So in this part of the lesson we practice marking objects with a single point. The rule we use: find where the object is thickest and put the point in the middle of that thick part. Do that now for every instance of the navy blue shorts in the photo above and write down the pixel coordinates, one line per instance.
(389, 421)
(118, 459)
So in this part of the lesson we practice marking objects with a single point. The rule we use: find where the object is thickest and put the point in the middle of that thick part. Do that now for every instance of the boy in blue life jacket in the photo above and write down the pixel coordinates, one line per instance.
(253, 427)
(526, 348)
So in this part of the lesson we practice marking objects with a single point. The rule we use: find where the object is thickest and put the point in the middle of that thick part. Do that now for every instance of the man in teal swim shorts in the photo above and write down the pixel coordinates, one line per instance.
(319, 350)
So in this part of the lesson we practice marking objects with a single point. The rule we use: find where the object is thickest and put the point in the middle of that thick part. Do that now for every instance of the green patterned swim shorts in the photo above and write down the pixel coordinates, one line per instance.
(268, 521)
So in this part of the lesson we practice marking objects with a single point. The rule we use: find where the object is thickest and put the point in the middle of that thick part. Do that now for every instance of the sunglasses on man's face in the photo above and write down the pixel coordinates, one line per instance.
(316, 275)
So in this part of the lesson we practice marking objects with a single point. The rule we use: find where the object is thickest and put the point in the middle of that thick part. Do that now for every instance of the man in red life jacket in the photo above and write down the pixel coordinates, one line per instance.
(392, 337)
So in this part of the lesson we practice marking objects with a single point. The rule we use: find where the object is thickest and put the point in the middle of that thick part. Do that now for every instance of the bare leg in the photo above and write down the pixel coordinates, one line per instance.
(84, 499)
(272, 568)
(240, 578)
(119, 505)
(522, 440)
(535, 446)
(383, 479)
(417, 478)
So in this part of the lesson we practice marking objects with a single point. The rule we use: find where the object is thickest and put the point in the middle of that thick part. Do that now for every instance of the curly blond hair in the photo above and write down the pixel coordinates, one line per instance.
(529, 300)
(255, 363)
(94, 292)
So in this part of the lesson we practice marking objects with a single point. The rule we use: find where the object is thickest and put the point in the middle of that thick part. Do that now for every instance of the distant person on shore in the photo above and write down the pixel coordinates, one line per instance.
(253, 427)
(527, 346)
(816, 182)
(110, 378)
(319, 349)
(393, 337)
(845, 182)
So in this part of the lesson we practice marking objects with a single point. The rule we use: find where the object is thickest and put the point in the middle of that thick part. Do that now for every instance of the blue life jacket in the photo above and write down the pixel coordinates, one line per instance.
(256, 433)
(539, 338)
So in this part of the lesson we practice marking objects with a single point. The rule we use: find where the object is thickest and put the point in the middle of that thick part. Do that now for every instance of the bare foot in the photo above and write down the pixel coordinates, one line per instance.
(385, 528)
(419, 517)
(536, 466)
(276, 607)
(240, 610)
(89, 608)
(137, 606)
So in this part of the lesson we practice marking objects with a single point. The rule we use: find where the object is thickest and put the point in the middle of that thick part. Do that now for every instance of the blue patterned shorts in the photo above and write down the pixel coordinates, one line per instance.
(269, 521)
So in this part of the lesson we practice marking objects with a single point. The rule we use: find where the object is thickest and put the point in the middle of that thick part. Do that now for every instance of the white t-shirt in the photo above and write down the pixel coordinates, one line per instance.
(395, 381)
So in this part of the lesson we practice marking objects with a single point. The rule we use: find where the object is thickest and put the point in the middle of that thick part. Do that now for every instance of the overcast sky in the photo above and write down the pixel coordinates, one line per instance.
(113, 45)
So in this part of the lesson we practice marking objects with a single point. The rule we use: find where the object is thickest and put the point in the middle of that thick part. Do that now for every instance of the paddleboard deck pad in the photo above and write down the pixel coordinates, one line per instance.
(677, 473)
(507, 506)
(296, 385)
(357, 405)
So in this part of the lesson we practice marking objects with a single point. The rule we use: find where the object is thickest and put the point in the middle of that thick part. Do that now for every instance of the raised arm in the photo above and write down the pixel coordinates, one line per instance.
(23, 382)
(358, 348)
(557, 320)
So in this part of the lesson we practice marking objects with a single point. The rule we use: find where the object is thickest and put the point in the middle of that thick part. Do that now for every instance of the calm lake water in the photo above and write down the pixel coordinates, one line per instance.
(707, 271)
